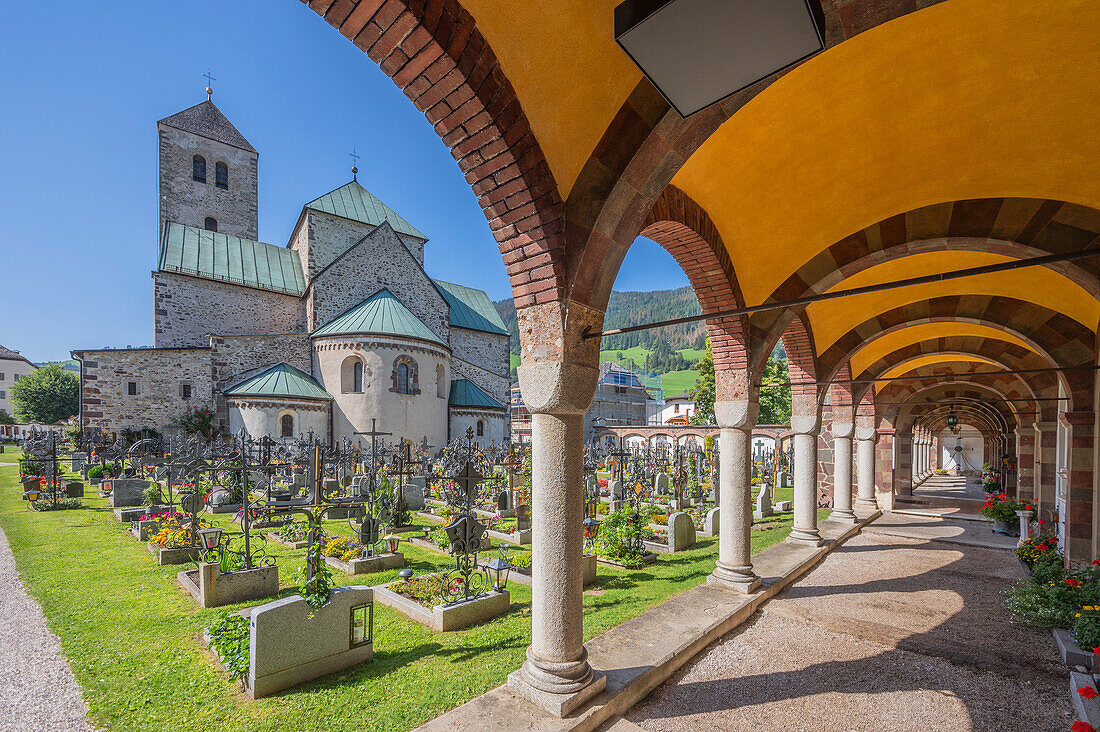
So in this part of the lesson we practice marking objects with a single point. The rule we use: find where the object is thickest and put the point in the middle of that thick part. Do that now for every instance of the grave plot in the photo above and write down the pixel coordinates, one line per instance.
(45, 487)
(470, 592)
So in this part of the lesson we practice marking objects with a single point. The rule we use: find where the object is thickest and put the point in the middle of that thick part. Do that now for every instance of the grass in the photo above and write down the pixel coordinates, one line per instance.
(678, 382)
(132, 636)
(674, 382)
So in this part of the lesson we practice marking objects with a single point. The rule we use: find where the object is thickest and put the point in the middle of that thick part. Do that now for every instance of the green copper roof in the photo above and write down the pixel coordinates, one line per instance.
(471, 308)
(280, 380)
(380, 314)
(216, 256)
(353, 201)
(465, 393)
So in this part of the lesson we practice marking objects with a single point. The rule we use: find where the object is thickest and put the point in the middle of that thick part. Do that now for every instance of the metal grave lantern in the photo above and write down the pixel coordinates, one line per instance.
(210, 537)
(591, 533)
(498, 568)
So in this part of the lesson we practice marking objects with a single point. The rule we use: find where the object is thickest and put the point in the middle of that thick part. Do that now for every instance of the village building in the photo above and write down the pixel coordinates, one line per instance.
(336, 331)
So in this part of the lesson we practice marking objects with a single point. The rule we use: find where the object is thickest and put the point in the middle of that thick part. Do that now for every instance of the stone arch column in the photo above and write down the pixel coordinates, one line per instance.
(806, 425)
(736, 410)
(843, 429)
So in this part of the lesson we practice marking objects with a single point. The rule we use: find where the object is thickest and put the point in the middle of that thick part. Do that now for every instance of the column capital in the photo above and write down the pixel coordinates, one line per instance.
(867, 433)
(557, 388)
(842, 429)
(736, 414)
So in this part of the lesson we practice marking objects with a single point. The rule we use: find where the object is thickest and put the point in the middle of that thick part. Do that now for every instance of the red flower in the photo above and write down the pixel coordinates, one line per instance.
(1095, 561)
(1041, 522)
(1053, 540)
(1072, 582)
(1080, 726)
(1027, 508)
(1087, 692)
(1096, 650)
(1042, 547)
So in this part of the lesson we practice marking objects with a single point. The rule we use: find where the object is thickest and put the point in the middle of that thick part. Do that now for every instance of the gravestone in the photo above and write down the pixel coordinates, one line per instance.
(127, 491)
(591, 485)
(504, 501)
(78, 460)
(74, 489)
(291, 642)
(661, 484)
(710, 523)
(681, 532)
(763, 503)
(783, 479)
(413, 495)
(523, 517)
(615, 490)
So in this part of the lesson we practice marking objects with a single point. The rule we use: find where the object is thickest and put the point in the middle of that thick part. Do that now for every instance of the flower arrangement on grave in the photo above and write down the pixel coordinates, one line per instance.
(61, 504)
(162, 516)
(229, 639)
(660, 518)
(296, 531)
(521, 560)
(344, 548)
(439, 538)
(153, 495)
(1000, 507)
(174, 534)
(1086, 627)
(424, 590)
(621, 535)
(1054, 596)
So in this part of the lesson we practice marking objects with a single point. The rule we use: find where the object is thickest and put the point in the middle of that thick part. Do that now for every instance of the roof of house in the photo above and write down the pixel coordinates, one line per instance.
(353, 201)
(465, 393)
(282, 379)
(6, 354)
(470, 308)
(380, 314)
(207, 120)
(217, 256)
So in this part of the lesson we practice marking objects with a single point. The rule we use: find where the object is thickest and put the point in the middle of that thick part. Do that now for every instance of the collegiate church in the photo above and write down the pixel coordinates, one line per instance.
(339, 327)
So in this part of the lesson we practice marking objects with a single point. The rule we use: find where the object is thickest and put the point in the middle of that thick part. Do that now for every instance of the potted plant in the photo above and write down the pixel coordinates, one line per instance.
(1002, 510)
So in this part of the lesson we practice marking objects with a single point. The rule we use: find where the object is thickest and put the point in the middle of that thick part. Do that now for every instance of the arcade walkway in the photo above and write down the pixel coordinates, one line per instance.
(890, 632)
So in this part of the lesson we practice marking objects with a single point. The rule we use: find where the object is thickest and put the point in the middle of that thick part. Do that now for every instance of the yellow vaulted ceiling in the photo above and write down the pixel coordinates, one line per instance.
(964, 99)
(833, 318)
(570, 75)
(887, 344)
(904, 368)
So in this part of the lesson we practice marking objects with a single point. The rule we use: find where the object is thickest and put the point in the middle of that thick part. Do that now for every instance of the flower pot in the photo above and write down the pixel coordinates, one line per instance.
(1006, 527)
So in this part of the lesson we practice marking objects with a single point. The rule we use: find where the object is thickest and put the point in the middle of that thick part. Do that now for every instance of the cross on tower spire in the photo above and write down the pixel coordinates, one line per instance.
(209, 84)
(354, 162)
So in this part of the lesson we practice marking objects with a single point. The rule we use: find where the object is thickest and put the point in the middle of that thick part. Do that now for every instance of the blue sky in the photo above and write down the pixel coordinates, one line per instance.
(83, 85)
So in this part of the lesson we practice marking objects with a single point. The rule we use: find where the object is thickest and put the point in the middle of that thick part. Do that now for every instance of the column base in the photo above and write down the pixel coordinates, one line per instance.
(558, 704)
(808, 537)
(843, 516)
(742, 579)
(866, 505)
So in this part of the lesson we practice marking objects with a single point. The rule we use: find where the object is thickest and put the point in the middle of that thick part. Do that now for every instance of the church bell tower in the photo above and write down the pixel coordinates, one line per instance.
(207, 172)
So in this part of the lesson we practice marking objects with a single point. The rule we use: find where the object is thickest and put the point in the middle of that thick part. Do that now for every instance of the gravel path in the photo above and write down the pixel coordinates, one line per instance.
(37, 688)
(888, 633)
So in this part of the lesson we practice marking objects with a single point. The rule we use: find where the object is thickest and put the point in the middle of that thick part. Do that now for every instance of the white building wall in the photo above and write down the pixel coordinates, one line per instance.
(412, 416)
(260, 417)
(10, 370)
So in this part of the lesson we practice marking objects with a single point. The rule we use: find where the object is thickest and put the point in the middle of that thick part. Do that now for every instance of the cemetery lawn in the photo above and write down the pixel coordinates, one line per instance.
(132, 636)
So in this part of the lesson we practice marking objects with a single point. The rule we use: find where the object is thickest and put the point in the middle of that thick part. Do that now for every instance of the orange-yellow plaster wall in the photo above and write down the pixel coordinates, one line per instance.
(963, 99)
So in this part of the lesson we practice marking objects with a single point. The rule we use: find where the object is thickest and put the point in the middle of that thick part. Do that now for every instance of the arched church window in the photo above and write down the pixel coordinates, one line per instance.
(402, 378)
(211, 223)
(357, 376)
(221, 175)
(405, 376)
(198, 168)
(481, 428)
(286, 425)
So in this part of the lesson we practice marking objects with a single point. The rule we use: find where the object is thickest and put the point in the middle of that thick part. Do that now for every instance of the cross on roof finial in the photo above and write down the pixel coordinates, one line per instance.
(354, 162)
(209, 84)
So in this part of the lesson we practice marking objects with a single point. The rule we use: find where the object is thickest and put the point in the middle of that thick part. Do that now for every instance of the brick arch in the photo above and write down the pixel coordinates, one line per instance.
(436, 55)
(1009, 355)
(939, 383)
(647, 142)
(798, 341)
(1065, 341)
(1014, 227)
(686, 231)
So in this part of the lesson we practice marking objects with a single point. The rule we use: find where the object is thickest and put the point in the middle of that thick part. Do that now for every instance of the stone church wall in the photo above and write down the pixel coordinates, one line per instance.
(379, 260)
(188, 309)
(483, 358)
(495, 427)
(160, 374)
(234, 358)
(187, 201)
(321, 237)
